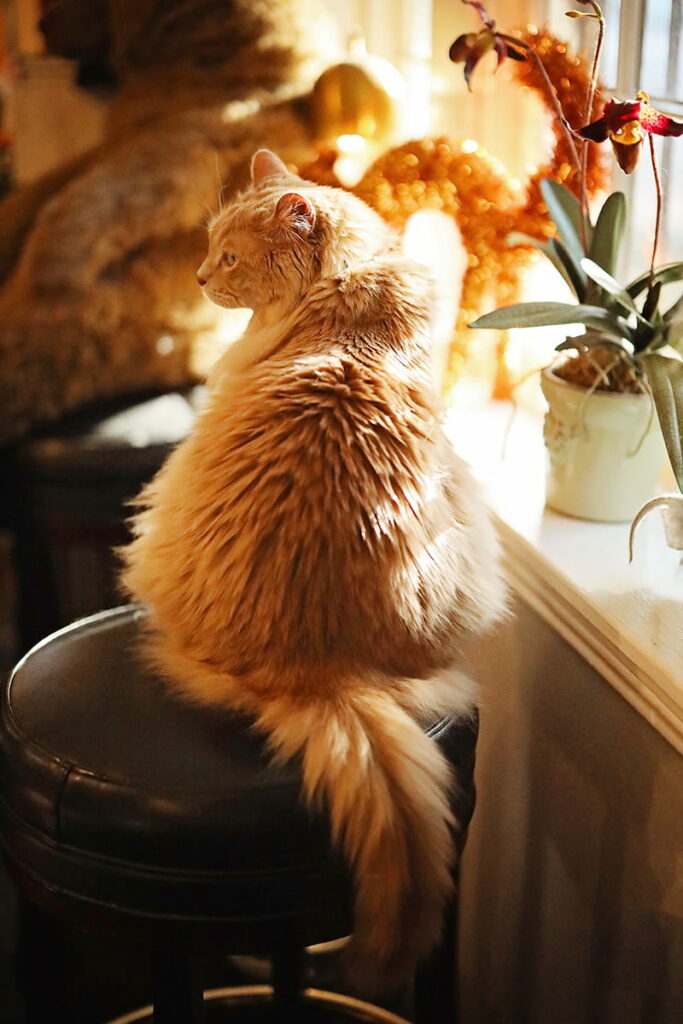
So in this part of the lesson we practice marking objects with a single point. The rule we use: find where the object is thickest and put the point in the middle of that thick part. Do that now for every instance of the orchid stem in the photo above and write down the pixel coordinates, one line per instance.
(588, 117)
(658, 218)
(596, 65)
(559, 114)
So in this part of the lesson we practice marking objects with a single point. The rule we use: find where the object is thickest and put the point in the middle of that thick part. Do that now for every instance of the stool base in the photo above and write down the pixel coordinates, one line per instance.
(253, 1004)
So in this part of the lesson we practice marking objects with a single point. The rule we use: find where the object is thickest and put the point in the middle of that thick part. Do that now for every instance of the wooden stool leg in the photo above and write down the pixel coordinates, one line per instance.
(287, 979)
(178, 997)
(436, 997)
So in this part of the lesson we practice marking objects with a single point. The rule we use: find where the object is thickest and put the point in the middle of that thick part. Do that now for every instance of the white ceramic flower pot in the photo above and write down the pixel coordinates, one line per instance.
(605, 451)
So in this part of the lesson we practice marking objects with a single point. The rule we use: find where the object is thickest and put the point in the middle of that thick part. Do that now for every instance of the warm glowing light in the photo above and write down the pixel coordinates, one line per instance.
(483, 200)
(165, 344)
(351, 143)
(432, 238)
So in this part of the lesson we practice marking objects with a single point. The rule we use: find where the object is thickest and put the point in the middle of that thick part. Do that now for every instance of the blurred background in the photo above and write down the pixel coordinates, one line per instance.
(62, 94)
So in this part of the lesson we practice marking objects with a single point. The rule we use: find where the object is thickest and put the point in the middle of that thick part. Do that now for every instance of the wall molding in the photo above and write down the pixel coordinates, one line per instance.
(634, 672)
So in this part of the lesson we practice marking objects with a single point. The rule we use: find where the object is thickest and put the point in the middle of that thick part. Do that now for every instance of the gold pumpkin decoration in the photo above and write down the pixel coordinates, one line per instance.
(485, 202)
(357, 97)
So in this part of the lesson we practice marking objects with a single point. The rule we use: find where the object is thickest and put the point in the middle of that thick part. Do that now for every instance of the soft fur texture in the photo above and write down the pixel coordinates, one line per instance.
(315, 553)
(98, 258)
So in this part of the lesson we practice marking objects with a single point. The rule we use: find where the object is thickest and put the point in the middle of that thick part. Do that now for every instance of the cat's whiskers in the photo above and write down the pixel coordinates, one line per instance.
(207, 213)
(222, 298)
(220, 184)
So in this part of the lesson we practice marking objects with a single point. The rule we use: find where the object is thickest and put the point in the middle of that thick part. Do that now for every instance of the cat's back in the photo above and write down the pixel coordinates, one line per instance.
(351, 370)
(382, 306)
(354, 354)
(300, 471)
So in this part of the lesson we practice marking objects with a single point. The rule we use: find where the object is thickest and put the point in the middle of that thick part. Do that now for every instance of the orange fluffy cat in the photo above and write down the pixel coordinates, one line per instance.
(315, 553)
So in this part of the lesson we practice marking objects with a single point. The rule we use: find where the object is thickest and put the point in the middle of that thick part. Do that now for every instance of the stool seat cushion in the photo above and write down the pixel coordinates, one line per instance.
(116, 791)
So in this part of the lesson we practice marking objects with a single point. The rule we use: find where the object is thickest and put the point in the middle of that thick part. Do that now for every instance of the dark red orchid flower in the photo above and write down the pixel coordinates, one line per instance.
(470, 47)
(625, 124)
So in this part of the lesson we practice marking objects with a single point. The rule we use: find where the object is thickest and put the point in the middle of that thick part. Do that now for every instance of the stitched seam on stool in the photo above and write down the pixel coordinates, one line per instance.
(90, 857)
(29, 741)
(153, 870)
(155, 915)
(70, 768)
(58, 802)
(122, 783)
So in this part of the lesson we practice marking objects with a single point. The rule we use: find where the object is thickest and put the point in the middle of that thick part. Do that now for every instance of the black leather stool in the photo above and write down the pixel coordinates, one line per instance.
(125, 811)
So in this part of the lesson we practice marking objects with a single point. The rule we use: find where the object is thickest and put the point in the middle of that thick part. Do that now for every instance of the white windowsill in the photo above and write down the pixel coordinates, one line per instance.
(625, 620)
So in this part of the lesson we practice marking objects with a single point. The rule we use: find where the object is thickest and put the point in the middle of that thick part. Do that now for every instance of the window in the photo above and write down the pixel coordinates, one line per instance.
(643, 50)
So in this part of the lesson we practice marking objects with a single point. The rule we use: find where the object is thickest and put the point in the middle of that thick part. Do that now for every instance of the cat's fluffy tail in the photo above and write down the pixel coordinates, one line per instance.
(386, 786)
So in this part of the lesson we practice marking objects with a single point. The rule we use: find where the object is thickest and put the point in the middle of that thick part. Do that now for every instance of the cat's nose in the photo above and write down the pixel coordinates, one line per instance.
(203, 273)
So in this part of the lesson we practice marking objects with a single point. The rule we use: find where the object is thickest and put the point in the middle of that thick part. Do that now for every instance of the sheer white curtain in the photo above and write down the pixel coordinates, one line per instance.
(402, 32)
(415, 35)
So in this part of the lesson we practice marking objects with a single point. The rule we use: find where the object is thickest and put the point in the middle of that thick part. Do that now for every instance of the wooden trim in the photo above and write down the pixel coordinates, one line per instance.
(634, 672)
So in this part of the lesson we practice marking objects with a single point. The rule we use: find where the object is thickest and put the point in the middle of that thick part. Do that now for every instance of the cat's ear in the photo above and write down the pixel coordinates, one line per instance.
(265, 164)
(294, 211)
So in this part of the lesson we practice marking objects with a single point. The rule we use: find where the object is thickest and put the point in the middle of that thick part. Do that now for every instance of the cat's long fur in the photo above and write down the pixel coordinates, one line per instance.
(314, 553)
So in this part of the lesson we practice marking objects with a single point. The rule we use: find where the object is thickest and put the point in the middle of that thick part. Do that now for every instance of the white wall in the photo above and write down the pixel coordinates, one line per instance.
(572, 893)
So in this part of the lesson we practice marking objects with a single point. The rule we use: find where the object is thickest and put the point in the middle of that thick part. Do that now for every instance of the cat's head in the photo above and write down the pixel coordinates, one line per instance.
(282, 234)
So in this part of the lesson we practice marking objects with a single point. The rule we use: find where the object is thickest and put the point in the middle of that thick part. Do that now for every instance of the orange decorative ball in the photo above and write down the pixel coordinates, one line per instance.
(486, 203)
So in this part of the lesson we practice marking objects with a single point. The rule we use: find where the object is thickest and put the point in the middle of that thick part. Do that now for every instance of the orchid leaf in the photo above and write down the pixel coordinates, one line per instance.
(565, 211)
(651, 304)
(665, 376)
(556, 252)
(608, 284)
(644, 337)
(547, 314)
(519, 238)
(573, 270)
(661, 339)
(667, 274)
(673, 333)
(548, 250)
(608, 233)
(673, 311)
(583, 341)
(662, 501)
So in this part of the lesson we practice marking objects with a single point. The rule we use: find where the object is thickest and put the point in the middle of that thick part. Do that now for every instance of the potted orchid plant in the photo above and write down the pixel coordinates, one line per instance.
(618, 389)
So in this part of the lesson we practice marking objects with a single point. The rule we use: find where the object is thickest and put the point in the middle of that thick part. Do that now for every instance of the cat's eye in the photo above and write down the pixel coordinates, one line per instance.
(229, 259)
